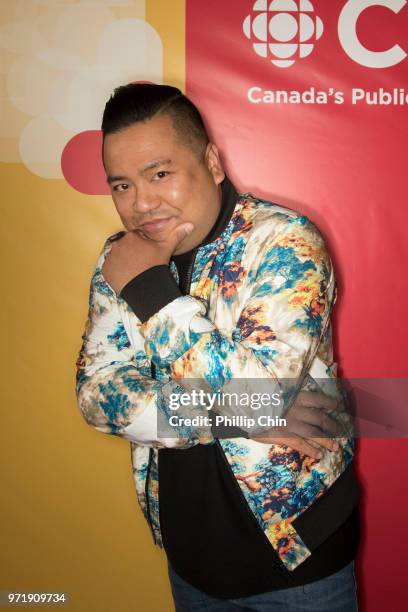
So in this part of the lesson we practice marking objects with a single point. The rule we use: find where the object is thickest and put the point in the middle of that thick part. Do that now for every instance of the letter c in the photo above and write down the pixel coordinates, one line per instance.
(251, 91)
(352, 46)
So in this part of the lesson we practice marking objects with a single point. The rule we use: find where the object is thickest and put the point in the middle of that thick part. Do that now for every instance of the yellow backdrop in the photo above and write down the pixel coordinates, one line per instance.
(70, 518)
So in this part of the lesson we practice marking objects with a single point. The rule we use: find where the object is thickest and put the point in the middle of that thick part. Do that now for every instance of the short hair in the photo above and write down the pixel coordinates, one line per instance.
(139, 102)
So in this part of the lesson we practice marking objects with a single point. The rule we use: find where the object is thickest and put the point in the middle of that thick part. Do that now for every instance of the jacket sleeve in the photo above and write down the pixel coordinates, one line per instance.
(115, 390)
(285, 290)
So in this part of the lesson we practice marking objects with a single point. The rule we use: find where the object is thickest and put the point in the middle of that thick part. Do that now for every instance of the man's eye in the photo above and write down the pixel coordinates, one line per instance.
(121, 187)
(161, 174)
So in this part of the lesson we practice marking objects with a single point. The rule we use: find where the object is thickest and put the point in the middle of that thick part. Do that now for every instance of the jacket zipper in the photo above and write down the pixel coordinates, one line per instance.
(147, 501)
(190, 273)
(149, 464)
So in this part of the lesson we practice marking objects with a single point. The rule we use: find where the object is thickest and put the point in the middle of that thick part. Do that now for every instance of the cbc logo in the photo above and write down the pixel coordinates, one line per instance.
(286, 30)
(283, 30)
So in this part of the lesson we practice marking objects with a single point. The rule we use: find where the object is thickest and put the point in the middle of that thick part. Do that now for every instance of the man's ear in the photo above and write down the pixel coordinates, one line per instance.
(213, 162)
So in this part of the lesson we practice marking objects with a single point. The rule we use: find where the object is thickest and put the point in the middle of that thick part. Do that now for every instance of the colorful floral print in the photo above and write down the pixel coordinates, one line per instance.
(259, 306)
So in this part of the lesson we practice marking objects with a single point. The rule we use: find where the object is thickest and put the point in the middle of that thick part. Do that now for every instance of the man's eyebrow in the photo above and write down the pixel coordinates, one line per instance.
(111, 179)
(156, 163)
(151, 166)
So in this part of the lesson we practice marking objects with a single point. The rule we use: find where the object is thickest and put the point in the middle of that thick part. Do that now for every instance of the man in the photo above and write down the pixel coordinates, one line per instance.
(209, 287)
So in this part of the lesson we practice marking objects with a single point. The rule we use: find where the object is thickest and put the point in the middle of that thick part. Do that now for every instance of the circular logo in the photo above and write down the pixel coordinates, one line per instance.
(283, 30)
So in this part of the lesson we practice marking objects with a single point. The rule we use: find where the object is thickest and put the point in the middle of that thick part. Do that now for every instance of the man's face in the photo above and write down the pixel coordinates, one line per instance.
(158, 182)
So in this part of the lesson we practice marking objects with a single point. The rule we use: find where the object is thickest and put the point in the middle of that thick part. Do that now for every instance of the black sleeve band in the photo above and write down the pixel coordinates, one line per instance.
(150, 291)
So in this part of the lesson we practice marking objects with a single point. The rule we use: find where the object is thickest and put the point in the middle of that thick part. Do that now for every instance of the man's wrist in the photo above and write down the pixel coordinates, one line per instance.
(150, 291)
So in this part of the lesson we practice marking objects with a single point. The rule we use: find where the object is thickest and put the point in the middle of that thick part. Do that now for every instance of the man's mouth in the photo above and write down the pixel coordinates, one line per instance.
(156, 225)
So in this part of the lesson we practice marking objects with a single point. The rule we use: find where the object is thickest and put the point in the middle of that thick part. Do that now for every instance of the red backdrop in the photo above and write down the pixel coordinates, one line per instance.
(344, 165)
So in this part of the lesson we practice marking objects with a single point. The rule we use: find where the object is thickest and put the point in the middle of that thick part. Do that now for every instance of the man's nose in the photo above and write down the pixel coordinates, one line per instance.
(145, 200)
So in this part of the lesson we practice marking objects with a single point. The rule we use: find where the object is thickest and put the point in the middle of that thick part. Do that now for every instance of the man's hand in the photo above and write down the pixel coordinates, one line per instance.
(308, 425)
(135, 252)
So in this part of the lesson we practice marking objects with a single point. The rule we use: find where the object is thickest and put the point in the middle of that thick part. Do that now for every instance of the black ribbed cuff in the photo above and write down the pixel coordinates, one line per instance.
(150, 291)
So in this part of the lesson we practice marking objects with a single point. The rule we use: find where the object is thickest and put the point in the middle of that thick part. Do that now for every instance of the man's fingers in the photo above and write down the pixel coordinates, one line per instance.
(306, 430)
(318, 400)
(331, 427)
(183, 230)
(319, 422)
(329, 443)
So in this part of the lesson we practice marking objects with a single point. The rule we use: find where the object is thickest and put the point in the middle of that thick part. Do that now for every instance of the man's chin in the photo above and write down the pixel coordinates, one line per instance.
(185, 245)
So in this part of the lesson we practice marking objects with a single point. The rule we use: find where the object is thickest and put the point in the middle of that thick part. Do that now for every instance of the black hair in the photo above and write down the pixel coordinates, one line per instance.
(139, 102)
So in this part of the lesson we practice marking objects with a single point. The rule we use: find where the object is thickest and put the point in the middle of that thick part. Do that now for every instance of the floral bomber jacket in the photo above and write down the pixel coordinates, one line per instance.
(259, 304)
